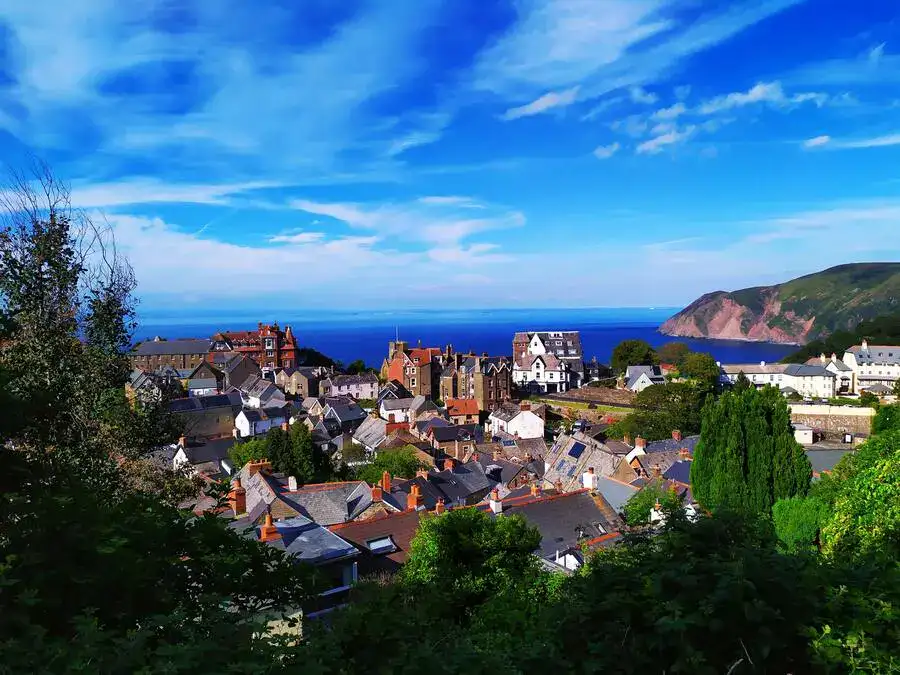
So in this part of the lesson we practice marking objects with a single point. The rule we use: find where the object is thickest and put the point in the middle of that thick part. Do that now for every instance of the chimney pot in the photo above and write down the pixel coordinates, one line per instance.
(386, 482)
(439, 507)
(377, 493)
(285, 426)
(495, 455)
(657, 470)
(182, 441)
(268, 532)
(676, 435)
(414, 499)
(626, 439)
(535, 490)
(640, 442)
(292, 483)
(238, 498)
(496, 504)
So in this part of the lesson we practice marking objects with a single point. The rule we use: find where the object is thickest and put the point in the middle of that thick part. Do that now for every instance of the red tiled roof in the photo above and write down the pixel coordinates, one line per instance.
(424, 354)
(462, 406)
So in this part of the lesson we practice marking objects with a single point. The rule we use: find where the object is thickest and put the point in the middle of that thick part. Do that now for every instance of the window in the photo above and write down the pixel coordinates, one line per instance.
(412, 382)
(270, 352)
(382, 545)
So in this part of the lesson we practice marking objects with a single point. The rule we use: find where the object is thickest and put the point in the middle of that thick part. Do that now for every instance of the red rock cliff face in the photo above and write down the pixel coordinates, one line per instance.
(721, 317)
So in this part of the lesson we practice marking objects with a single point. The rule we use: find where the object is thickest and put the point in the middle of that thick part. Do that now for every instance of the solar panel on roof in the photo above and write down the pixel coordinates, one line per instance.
(508, 443)
(576, 450)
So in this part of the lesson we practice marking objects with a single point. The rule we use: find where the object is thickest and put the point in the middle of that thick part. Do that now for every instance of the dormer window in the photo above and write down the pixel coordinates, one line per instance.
(382, 545)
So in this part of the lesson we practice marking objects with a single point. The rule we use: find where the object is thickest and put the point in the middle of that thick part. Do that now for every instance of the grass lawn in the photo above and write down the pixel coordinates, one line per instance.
(580, 405)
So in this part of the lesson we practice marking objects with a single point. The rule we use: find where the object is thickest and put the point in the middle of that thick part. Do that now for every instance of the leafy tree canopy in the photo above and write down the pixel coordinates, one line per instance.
(637, 508)
(632, 353)
(400, 463)
(673, 352)
(663, 408)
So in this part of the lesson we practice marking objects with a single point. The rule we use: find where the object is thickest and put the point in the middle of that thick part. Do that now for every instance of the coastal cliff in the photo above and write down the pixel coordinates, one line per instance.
(796, 311)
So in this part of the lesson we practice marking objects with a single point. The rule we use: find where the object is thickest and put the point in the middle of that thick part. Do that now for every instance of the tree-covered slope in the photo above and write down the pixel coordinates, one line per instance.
(797, 311)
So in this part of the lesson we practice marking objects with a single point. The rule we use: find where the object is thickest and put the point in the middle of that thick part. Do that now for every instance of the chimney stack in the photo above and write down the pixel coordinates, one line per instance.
(386, 482)
(258, 465)
(640, 442)
(823, 358)
(414, 499)
(285, 426)
(495, 455)
(535, 490)
(676, 435)
(238, 498)
(496, 504)
(268, 532)
(422, 473)
(439, 507)
(626, 439)
(449, 464)
(684, 453)
(657, 470)
(292, 484)
(182, 441)
(377, 493)
(589, 479)
(559, 485)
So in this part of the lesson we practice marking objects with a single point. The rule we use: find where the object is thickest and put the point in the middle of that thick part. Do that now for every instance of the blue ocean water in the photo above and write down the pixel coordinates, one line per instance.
(365, 335)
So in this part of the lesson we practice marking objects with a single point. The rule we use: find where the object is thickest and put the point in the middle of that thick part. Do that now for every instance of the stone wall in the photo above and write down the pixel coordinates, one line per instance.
(834, 421)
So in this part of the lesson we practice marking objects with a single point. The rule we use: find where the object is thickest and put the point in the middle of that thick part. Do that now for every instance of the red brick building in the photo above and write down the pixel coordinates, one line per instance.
(418, 369)
(268, 345)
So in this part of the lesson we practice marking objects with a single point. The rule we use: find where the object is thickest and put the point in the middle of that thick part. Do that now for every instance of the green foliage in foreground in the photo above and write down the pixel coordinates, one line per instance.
(799, 520)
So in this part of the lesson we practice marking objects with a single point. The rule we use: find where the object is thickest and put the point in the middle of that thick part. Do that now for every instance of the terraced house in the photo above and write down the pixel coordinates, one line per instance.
(565, 346)
(417, 369)
(179, 354)
(486, 379)
(268, 345)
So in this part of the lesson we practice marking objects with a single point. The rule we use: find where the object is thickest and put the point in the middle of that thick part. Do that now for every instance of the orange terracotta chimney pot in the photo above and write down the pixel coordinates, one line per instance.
(676, 435)
(439, 507)
(377, 493)
(386, 481)
(535, 490)
(238, 498)
(268, 532)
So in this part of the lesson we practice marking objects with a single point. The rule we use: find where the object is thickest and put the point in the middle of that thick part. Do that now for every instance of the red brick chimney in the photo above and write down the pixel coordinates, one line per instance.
(258, 465)
(285, 426)
(657, 470)
(640, 442)
(386, 482)
(449, 464)
(268, 532)
(676, 435)
(414, 499)
(238, 498)
(377, 493)
(626, 439)
(684, 453)
(439, 507)
(495, 455)
(525, 405)
(535, 490)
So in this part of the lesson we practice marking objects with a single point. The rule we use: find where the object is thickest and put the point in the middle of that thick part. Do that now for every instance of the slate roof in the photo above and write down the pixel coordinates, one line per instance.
(347, 412)
(566, 521)
(392, 404)
(172, 347)
(753, 368)
(420, 405)
(680, 472)
(572, 455)
(804, 370)
(461, 483)
(887, 354)
(393, 389)
(506, 412)
(878, 388)
(671, 445)
(633, 374)
(310, 542)
(550, 361)
(331, 503)
(423, 426)
(457, 432)
(615, 492)
(824, 460)
(207, 402)
(203, 383)
(498, 470)
(199, 452)
(353, 380)
(836, 362)
(371, 433)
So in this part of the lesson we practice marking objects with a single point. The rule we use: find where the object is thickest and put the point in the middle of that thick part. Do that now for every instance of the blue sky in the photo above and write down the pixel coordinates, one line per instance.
(453, 153)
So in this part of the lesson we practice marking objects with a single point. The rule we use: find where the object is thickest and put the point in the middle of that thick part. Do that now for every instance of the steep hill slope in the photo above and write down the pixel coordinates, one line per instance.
(796, 311)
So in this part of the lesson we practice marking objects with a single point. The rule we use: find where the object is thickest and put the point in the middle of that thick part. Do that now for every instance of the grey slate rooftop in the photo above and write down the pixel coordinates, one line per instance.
(172, 347)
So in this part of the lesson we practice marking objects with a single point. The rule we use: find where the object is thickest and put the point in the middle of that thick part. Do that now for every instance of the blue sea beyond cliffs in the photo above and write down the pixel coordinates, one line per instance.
(364, 335)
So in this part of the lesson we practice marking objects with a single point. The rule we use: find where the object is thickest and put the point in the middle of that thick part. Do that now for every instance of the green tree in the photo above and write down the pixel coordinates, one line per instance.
(637, 508)
(662, 408)
(400, 463)
(632, 353)
(356, 367)
(246, 451)
(673, 352)
(747, 457)
(703, 369)
(798, 521)
(896, 389)
(887, 418)
(742, 383)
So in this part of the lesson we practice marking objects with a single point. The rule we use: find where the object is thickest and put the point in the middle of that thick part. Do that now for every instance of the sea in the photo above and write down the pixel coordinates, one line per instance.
(351, 335)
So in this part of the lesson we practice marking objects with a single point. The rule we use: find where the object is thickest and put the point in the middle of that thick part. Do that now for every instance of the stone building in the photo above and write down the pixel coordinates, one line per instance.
(179, 354)
(487, 379)
(268, 345)
(418, 368)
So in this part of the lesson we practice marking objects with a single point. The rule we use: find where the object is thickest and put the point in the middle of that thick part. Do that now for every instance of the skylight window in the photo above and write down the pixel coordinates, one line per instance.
(382, 545)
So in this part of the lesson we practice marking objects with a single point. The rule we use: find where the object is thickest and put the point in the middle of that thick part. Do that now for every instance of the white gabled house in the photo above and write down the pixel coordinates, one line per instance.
(257, 422)
(541, 373)
(510, 419)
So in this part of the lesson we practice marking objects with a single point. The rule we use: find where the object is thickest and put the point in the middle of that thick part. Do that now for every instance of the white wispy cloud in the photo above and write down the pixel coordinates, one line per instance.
(548, 101)
(297, 238)
(659, 143)
(874, 66)
(452, 200)
(853, 144)
(877, 219)
(602, 107)
(641, 95)
(434, 222)
(816, 142)
(152, 191)
(604, 46)
(672, 112)
(762, 92)
(606, 151)
(682, 92)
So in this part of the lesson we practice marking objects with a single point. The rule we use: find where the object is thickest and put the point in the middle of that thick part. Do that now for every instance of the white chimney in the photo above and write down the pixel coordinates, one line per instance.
(865, 345)
(496, 504)
(292, 483)
(589, 479)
